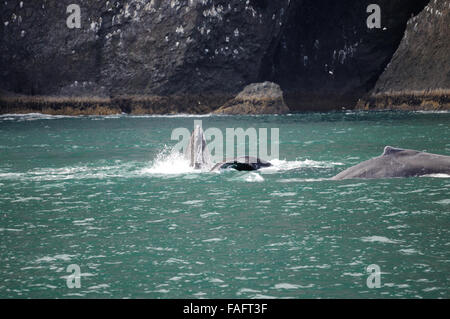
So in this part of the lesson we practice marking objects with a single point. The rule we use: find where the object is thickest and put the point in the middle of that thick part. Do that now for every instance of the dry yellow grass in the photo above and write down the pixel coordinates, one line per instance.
(57, 105)
(427, 100)
(132, 104)
(417, 93)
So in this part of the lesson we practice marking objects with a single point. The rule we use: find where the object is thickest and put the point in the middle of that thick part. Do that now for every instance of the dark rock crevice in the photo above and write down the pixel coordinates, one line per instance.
(327, 58)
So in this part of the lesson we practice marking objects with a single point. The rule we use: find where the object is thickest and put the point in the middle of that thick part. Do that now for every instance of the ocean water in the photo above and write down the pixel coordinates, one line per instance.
(109, 194)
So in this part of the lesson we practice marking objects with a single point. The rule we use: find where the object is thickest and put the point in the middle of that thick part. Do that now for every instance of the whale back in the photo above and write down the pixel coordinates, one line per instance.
(244, 163)
(397, 162)
(388, 150)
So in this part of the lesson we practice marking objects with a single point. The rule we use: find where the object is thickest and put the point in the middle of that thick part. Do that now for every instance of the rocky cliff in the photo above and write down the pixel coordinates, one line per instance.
(418, 76)
(194, 55)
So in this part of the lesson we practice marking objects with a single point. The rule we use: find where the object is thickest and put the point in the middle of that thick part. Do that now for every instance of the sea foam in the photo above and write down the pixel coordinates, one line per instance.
(169, 162)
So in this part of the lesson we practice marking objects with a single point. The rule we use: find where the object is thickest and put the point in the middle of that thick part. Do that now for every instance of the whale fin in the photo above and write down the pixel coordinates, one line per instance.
(197, 152)
(388, 150)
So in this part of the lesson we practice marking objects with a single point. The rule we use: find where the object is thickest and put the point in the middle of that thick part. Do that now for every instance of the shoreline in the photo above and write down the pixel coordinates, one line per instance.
(196, 105)
(407, 100)
(34, 115)
(129, 104)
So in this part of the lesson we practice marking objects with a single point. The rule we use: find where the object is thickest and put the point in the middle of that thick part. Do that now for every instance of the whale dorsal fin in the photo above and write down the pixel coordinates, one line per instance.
(388, 150)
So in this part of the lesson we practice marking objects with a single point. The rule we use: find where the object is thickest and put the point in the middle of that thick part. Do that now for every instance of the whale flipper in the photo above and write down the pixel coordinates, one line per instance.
(197, 152)
(397, 162)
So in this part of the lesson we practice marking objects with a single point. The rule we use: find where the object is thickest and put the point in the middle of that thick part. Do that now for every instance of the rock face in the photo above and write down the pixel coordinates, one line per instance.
(418, 77)
(422, 60)
(257, 98)
(203, 52)
(145, 47)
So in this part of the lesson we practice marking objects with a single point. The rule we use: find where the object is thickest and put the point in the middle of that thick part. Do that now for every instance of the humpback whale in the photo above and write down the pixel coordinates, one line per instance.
(244, 163)
(397, 162)
(199, 157)
(197, 152)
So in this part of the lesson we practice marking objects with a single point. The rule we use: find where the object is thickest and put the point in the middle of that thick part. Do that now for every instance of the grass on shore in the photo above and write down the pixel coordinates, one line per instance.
(57, 105)
(418, 93)
(437, 99)
(131, 104)
(427, 100)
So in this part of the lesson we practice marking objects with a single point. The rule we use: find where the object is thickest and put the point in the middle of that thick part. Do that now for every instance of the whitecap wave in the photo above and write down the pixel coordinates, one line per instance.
(76, 172)
(32, 116)
(42, 116)
(437, 175)
(432, 112)
(379, 239)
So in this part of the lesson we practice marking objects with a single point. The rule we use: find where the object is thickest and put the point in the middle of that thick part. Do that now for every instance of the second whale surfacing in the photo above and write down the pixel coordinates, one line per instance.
(199, 157)
(244, 163)
(397, 162)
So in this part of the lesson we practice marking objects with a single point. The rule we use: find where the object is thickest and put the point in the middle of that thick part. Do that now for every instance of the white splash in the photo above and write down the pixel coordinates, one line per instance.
(169, 162)
(254, 177)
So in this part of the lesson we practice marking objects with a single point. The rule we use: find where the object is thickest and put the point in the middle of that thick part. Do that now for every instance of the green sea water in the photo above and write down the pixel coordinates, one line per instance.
(107, 194)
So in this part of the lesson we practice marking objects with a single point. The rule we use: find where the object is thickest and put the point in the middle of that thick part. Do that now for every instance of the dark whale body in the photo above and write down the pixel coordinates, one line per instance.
(397, 162)
(245, 163)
